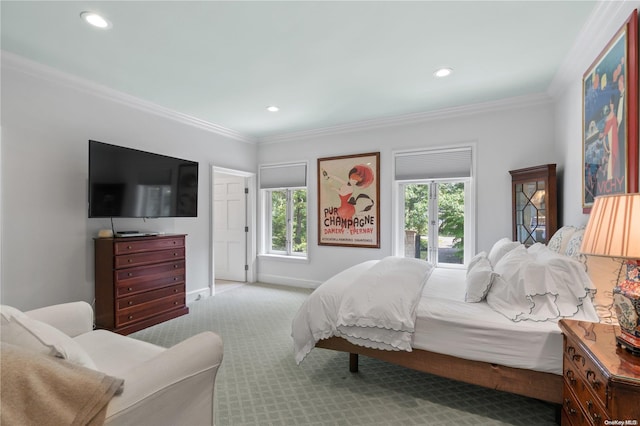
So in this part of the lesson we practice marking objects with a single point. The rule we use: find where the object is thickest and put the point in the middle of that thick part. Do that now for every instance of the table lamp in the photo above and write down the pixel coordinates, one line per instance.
(613, 230)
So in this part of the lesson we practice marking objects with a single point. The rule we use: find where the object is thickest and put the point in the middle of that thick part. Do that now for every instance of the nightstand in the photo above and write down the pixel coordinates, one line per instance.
(601, 380)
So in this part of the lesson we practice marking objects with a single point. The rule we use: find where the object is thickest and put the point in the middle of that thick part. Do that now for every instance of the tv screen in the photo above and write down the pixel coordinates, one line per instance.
(125, 182)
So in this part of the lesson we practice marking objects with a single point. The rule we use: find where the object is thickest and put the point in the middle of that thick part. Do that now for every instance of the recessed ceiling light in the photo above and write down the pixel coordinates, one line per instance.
(443, 72)
(95, 20)
(273, 108)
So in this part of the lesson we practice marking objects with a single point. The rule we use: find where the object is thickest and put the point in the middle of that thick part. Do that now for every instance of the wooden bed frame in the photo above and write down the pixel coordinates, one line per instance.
(529, 383)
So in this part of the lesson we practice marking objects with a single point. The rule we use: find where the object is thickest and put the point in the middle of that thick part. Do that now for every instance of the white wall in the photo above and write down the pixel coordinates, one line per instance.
(567, 91)
(47, 239)
(509, 135)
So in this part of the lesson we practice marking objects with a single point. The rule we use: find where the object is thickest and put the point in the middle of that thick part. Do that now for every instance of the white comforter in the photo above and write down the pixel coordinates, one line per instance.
(371, 304)
(344, 306)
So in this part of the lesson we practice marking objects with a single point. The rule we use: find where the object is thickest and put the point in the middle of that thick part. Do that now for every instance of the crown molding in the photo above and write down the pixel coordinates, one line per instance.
(414, 118)
(605, 20)
(34, 69)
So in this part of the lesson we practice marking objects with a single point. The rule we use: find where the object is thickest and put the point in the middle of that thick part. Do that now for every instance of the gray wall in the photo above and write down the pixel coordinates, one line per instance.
(509, 135)
(46, 250)
(47, 239)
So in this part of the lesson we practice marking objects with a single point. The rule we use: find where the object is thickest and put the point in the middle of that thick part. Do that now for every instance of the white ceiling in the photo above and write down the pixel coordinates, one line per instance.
(324, 63)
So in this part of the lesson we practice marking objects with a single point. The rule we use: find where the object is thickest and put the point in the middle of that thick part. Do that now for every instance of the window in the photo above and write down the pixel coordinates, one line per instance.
(284, 194)
(434, 205)
(288, 221)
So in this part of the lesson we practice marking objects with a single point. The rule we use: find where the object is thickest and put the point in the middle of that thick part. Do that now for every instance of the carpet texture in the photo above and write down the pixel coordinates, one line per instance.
(260, 384)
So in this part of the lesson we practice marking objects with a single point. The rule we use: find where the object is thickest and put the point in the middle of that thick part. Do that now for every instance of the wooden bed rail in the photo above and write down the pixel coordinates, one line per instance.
(529, 383)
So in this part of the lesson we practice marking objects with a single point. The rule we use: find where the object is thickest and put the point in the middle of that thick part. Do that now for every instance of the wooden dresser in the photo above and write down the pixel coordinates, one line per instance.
(601, 380)
(139, 281)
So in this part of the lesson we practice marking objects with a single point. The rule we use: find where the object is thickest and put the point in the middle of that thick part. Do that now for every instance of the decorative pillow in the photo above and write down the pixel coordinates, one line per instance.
(21, 330)
(500, 248)
(505, 282)
(475, 259)
(559, 240)
(479, 279)
(573, 246)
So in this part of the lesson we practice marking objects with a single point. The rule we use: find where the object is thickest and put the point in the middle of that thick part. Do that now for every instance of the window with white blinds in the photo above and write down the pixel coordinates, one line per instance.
(433, 164)
(434, 205)
(291, 175)
(283, 191)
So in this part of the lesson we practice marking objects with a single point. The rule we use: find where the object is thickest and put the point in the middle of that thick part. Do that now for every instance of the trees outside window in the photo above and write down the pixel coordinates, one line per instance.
(440, 240)
(288, 221)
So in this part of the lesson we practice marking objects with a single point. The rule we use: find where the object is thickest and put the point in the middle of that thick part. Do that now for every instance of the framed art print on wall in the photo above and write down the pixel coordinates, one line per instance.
(348, 200)
(610, 118)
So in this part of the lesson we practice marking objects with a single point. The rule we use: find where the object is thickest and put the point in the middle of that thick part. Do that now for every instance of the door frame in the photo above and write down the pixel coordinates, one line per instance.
(251, 208)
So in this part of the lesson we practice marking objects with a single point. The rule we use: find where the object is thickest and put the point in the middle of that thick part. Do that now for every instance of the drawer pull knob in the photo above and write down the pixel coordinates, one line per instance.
(591, 378)
(175, 266)
(128, 247)
(571, 377)
(175, 254)
(130, 316)
(129, 288)
(567, 404)
(175, 278)
(578, 358)
(175, 303)
(130, 274)
(129, 260)
(175, 290)
(571, 350)
(130, 302)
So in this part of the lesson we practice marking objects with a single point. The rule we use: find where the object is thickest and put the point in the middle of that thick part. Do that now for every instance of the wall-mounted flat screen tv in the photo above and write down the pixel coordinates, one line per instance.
(125, 182)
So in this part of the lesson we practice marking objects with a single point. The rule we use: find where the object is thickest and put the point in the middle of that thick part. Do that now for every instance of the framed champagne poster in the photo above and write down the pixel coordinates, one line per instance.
(348, 200)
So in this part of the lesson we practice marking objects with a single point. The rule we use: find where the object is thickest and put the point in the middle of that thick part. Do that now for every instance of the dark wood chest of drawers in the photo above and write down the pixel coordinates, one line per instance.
(139, 281)
(601, 380)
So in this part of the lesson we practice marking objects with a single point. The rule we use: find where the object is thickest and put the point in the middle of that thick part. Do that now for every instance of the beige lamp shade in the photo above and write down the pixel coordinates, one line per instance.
(614, 227)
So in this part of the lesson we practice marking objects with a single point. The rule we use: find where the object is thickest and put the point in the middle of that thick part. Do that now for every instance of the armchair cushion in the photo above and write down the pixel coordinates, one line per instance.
(114, 353)
(21, 330)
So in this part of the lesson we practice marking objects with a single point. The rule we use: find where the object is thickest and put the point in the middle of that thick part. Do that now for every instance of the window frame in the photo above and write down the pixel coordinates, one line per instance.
(268, 237)
(433, 210)
(289, 177)
(470, 216)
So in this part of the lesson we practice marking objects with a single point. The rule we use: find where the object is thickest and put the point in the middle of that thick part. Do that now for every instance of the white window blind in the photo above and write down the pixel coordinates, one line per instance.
(433, 164)
(283, 176)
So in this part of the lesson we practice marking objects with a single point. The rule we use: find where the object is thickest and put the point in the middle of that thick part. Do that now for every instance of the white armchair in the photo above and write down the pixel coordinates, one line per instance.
(173, 386)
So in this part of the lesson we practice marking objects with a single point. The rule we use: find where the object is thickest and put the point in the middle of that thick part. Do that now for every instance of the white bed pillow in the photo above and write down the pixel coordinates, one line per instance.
(479, 278)
(500, 248)
(19, 329)
(509, 265)
(475, 259)
(541, 285)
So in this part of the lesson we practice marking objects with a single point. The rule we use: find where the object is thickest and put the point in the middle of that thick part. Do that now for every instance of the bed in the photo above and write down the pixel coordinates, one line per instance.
(458, 326)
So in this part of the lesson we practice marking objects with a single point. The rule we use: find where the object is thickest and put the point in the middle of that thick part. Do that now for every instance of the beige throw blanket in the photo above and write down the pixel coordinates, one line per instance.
(37, 389)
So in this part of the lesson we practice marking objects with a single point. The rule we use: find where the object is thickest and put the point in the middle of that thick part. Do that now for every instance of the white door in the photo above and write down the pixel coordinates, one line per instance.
(229, 222)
